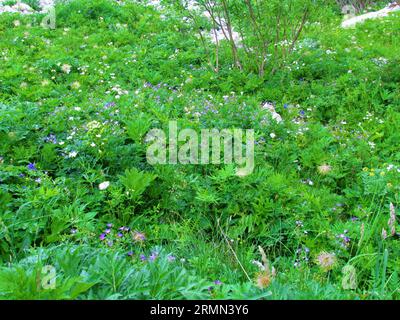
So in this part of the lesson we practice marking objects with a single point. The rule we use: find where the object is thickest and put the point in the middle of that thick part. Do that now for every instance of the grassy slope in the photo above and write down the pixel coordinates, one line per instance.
(324, 95)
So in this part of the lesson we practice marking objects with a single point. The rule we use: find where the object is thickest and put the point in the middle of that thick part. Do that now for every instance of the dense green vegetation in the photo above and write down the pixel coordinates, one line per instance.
(77, 194)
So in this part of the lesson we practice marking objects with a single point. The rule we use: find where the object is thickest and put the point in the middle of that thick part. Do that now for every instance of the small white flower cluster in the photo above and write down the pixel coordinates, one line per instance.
(3, 55)
(371, 144)
(307, 43)
(156, 4)
(308, 181)
(380, 62)
(368, 116)
(392, 167)
(83, 70)
(93, 125)
(72, 154)
(66, 68)
(118, 90)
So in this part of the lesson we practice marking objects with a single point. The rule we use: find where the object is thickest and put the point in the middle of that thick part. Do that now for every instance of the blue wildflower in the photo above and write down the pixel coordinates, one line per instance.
(31, 166)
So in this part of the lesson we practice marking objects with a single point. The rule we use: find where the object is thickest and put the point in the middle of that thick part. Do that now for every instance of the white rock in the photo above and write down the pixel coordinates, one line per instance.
(6, 9)
(23, 8)
(217, 35)
(371, 15)
(46, 5)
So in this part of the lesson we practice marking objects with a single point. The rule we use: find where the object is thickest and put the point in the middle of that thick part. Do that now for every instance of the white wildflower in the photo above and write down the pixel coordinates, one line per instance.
(104, 185)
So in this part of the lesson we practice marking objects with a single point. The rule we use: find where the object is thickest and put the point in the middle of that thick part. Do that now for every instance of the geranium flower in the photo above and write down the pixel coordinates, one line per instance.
(31, 166)
(73, 154)
(153, 256)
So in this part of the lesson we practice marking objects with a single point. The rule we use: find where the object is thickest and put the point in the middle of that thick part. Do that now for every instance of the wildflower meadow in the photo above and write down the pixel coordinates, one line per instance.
(199, 150)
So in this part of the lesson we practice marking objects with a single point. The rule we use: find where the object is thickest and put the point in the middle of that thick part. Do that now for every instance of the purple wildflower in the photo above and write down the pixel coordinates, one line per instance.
(143, 257)
(102, 236)
(109, 104)
(138, 236)
(345, 240)
(51, 138)
(120, 235)
(171, 258)
(153, 256)
(130, 253)
(218, 282)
